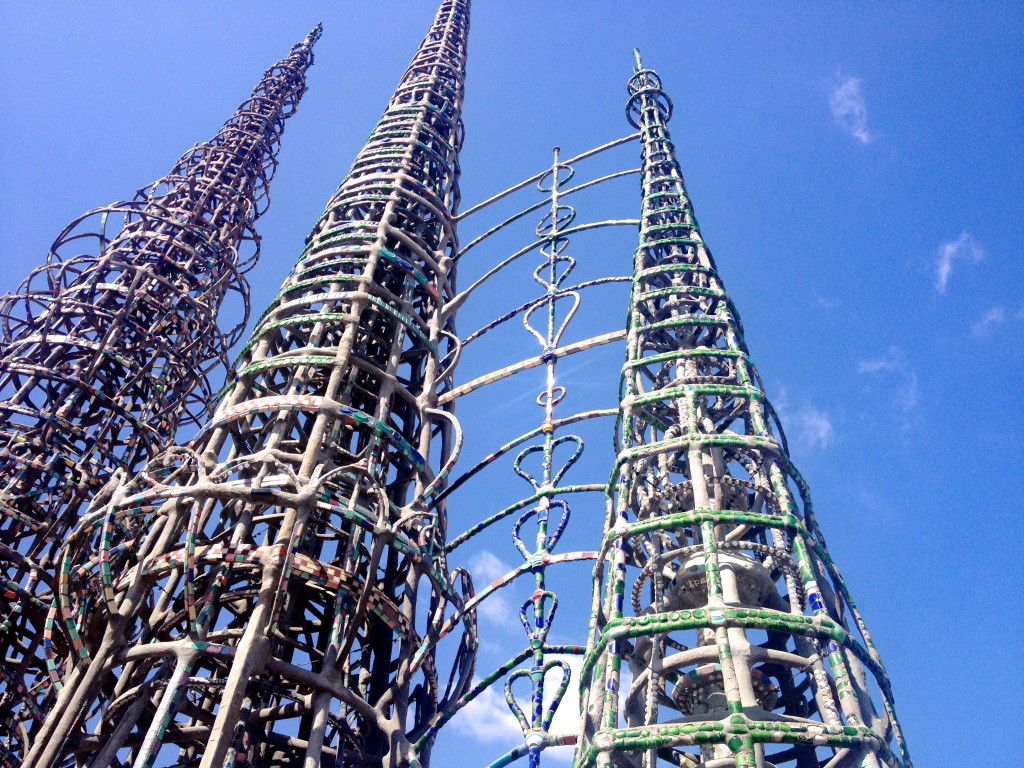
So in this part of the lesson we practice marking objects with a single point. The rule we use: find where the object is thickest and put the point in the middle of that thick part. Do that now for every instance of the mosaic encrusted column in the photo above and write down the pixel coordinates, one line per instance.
(722, 634)
(256, 596)
(106, 350)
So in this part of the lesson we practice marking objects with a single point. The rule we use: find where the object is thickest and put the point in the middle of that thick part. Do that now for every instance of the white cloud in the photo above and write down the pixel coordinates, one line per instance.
(895, 366)
(991, 321)
(807, 427)
(560, 754)
(811, 427)
(964, 248)
(488, 718)
(827, 302)
(567, 717)
(849, 110)
(877, 364)
(498, 610)
(988, 322)
(486, 567)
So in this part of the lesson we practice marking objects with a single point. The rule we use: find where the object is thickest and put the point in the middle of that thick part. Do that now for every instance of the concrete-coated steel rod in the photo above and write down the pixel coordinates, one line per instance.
(713, 587)
(106, 350)
(254, 596)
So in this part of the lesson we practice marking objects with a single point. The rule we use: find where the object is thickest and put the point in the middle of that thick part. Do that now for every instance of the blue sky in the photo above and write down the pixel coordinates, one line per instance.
(855, 171)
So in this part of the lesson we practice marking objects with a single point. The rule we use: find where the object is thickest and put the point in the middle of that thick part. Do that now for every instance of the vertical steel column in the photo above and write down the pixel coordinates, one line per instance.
(258, 596)
(106, 350)
(713, 581)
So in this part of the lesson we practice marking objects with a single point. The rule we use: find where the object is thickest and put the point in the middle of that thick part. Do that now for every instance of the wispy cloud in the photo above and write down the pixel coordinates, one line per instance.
(849, 110)
(488, 718)
(811, 427)
(808, 428)
(988, 322)
(964, 248)
(876, 364)
(894, 365)
(567, 716)
(826, 301)
(874, 505)
(487, 567)
(995, 318)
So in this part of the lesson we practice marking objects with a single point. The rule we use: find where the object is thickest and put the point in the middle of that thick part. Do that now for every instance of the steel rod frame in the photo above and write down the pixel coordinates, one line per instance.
(539, 525)
(713, 583)
(256, 596)
(275, 592)
(106, 350)
(536, 681)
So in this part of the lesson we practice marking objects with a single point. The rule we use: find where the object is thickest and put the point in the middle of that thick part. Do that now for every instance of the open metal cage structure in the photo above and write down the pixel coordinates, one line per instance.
(722, 633)
(284, 588)
(111, 346)
(259, 594)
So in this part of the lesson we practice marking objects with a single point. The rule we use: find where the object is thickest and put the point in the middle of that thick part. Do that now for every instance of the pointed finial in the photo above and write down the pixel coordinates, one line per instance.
(314, 35)
(636, 55)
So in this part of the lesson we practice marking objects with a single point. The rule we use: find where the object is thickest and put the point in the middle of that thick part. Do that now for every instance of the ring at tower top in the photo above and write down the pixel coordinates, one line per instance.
(645, 95)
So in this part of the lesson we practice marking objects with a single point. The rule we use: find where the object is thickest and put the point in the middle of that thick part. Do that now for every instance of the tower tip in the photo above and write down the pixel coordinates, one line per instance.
(315, 33)
(639, 63)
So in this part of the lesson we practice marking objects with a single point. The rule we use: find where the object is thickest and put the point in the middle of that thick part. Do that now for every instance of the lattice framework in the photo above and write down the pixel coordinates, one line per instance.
(713, 581)
(718, 610)
(109, 347)
(277, 591)
(260, 592)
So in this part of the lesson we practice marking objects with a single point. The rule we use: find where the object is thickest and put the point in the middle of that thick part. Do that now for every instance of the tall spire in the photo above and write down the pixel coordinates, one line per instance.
(258, 595)
(713, 583)
(106, 350)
